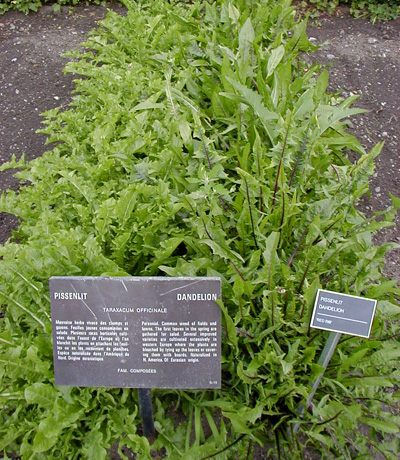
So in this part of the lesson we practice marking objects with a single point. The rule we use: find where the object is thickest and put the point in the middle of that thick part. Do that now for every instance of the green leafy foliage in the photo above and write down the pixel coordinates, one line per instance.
(199, 143)
(376, 10)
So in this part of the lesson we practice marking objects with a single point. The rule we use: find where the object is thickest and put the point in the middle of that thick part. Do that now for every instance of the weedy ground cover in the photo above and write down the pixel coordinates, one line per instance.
(27, 6)
(381, 10)
(376, 10)
(199, 143)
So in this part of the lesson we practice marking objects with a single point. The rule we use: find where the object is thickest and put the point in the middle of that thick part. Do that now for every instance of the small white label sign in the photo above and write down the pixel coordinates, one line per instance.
(343, 313)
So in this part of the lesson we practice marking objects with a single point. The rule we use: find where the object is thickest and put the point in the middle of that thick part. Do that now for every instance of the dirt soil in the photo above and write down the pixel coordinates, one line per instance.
(32, 79)
(364, 60)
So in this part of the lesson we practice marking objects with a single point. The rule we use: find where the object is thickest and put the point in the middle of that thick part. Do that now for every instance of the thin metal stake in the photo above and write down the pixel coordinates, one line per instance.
(323, 361)
(146, 411)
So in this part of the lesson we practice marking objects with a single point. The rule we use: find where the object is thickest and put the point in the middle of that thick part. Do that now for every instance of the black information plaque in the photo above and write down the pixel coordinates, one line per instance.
(136, 332)
(343, 313)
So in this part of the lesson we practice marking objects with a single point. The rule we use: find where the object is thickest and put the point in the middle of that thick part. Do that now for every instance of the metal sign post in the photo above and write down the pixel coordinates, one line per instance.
(323, 361)
(146, 412)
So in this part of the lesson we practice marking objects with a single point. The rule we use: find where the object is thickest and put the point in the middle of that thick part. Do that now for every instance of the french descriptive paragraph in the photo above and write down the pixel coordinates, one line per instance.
(79, 340)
